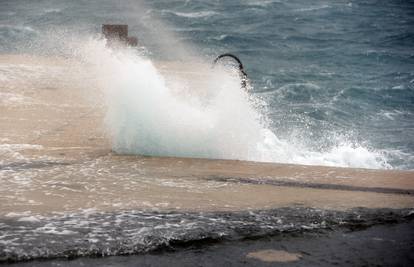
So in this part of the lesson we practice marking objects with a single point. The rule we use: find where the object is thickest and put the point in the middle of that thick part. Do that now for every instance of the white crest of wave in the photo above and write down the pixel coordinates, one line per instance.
(200, 14)
(16, 28)
(146, 115)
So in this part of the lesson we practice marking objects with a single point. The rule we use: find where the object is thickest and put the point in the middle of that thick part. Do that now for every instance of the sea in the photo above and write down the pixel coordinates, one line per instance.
(329, 82)
(335, 78)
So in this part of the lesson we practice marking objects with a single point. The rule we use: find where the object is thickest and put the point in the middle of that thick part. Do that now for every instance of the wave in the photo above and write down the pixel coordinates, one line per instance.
(260, 3)
(150, 115)
(16, 28)
(92, 233)
(313, 8)
(200, 14)
(392, 114)
(220, 37)
(52, 10)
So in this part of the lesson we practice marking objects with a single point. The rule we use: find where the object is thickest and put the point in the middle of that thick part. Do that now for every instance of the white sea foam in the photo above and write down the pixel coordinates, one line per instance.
(51, 229)
(29, 219)
(391, 114)
(12, 152)
(18, 214)
(18, 147)
(312, 8)
(17, 29)
(52, 10)
(199, 14)
(146, 116)
(261, 3)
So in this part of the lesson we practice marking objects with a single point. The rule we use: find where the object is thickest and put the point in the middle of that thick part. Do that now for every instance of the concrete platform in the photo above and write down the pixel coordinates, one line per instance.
(65, 194)
(55, 156)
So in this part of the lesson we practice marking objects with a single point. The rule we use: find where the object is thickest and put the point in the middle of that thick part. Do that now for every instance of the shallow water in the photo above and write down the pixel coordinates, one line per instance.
(124, 233)
(384, 245)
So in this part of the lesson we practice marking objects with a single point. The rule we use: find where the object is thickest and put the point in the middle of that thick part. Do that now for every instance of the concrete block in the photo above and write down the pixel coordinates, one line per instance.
(118, 34)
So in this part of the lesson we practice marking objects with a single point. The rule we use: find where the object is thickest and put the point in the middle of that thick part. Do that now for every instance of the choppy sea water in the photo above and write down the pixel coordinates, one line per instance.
(337, 76)
(335, 80)
(100, 234)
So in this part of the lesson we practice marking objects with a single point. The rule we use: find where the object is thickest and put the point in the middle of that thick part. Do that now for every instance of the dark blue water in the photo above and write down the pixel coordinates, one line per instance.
(329, 70)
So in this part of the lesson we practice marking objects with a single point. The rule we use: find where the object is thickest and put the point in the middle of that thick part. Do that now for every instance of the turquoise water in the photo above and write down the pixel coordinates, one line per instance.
(331, 72)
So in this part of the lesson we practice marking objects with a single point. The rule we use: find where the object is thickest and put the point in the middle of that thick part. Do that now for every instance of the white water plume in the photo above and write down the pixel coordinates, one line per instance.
(152, 112)
(146, 116)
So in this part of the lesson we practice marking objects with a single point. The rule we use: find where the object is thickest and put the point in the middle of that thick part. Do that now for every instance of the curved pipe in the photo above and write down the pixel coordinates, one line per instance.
(240, 65)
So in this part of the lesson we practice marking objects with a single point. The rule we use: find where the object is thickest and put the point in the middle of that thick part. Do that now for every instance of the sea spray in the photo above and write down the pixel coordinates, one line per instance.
(150, 113)
(318, 81)
(145, 116)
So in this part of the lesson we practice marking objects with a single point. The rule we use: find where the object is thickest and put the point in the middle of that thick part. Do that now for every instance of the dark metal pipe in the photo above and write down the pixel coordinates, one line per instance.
(240, 66)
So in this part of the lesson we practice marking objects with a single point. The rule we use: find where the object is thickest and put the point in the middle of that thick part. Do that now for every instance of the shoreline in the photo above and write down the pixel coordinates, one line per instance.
(380, 245)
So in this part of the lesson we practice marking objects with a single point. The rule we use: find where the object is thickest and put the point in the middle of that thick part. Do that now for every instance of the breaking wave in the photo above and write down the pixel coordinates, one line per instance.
(151, 112)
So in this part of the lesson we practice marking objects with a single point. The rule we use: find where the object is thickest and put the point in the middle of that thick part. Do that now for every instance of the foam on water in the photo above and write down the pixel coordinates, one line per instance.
(195, 14)
(213, 119)
(346, 78)
(145, 116)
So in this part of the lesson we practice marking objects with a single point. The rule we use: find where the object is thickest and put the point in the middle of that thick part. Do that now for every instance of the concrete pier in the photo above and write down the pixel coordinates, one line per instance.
(57, 134)
(65, 194)
(118, 33)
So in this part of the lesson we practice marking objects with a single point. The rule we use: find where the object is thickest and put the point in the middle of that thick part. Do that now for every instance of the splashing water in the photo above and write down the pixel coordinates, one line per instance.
(211, 117)
(146, 116)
